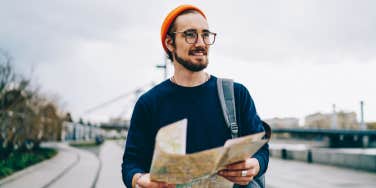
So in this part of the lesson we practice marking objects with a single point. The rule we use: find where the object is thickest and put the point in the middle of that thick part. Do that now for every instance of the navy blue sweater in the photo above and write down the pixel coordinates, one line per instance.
(167, 103)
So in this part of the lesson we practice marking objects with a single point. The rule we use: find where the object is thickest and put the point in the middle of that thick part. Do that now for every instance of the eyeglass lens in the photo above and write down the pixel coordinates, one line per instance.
(191, 37)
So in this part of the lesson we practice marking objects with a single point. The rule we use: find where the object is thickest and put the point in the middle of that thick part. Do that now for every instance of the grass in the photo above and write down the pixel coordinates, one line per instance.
(90, 146)
(84, 144)
(19, 160)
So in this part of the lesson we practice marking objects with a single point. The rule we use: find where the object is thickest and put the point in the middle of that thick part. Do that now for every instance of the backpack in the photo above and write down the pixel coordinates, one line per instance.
(226, 97)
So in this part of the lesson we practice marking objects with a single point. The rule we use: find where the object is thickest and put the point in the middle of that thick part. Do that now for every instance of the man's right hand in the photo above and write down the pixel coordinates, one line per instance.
(145, 182)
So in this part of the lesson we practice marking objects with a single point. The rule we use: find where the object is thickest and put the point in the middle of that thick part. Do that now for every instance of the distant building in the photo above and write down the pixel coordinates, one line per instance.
(76, 131)
(117, 123)
(283, 122)
(343, 120)
(318, 120)
(371, 125)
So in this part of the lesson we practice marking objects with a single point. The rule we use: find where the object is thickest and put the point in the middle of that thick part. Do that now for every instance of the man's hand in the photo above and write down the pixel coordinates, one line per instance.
(145, 182)
(242, 172)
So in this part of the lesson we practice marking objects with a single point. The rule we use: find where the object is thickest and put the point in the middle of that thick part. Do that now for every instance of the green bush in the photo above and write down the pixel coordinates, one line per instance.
(18, 160)
(4, 170)
(85, 144)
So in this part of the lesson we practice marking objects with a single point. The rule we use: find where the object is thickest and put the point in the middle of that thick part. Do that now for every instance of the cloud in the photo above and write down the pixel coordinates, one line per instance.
(318, 31)
(91, 51)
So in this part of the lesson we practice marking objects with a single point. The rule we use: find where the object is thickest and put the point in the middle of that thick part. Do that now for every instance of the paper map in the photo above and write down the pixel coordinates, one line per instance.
(172, 165)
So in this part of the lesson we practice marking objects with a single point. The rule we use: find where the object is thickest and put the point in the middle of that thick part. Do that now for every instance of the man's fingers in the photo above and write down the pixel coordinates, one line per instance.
(169, 186)
(165, 185)
(237, 166)
(145, 182)
(240, 165)
(240, 180)
(237, 173)
(246, 164)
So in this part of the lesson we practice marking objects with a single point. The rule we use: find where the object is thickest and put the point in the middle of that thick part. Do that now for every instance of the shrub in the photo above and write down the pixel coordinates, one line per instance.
(18, 160)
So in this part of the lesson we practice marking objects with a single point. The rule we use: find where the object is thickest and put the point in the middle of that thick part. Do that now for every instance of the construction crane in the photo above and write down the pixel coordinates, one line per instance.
(137, 92)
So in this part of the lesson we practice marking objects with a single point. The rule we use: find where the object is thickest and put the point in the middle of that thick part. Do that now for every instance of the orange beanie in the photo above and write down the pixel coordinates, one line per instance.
(171, 17)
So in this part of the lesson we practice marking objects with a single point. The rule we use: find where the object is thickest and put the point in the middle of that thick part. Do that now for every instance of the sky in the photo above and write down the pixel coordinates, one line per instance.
(296, 57)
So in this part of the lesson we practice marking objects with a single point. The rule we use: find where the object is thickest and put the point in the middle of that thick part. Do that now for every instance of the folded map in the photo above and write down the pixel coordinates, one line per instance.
(172, 165)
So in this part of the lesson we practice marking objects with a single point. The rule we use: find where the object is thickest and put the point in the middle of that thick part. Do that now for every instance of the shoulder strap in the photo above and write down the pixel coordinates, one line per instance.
(226, 97)
(225, 89)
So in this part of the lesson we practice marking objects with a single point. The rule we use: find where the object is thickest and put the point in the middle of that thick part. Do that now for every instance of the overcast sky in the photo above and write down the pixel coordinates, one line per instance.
(295, 57)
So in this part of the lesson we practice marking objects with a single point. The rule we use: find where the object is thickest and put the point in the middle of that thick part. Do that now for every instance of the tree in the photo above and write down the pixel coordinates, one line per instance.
(68, 117)
(52, 122)
(25, 116)
(81, 121)
(7, 75)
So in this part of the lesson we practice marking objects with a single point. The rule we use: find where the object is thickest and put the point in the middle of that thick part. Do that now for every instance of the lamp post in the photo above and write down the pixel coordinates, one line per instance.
(362, 124)
(334, 117)
(164, 67)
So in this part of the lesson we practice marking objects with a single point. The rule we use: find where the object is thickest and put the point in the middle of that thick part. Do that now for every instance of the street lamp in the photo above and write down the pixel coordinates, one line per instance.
(164, 67)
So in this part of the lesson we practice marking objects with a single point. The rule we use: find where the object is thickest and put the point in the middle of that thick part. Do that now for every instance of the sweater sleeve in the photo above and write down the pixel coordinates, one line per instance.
(250, 123)
(137, 144)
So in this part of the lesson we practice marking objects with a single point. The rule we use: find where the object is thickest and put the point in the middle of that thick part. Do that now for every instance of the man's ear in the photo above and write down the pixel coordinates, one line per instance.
(169, 43)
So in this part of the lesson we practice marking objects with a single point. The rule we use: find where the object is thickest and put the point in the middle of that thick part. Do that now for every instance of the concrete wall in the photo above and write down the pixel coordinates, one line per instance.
(351, 158)
(348, 159)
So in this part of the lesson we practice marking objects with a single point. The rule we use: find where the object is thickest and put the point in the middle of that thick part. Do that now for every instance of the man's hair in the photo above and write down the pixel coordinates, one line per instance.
(172, 29)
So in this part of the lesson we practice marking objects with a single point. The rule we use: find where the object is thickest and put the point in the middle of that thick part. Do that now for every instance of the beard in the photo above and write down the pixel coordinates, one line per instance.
(190, 65)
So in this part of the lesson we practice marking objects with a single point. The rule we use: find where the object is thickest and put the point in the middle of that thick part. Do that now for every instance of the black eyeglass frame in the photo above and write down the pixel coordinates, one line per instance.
(202, 35)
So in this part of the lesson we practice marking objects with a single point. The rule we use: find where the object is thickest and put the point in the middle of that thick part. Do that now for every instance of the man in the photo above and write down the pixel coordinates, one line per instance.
(190, 93)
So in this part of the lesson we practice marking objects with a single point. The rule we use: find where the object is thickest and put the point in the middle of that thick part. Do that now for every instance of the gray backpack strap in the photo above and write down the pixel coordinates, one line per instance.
(226, 96)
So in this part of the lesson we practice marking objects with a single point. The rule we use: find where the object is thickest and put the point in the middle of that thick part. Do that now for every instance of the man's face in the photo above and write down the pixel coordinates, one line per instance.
(193, 57)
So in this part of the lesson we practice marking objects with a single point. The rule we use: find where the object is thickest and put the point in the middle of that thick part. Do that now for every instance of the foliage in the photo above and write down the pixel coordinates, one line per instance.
(98, 141)
(26, 117)
(20, 159)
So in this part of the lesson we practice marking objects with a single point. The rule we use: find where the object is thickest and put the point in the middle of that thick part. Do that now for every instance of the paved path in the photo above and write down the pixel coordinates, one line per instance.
(83, 174)
(70, 168)
(294, 174)
(111, 155)
(43, 173)
(78, 168)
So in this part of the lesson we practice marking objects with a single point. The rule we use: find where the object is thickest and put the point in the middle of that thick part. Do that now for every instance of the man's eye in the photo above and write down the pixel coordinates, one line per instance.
(206, 34)
(190, 34)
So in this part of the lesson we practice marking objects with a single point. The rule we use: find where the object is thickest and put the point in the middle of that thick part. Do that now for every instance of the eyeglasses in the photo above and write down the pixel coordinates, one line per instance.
(191, 36)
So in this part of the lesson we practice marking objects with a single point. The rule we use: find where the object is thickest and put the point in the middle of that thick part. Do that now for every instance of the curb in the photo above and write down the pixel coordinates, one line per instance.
(36, 166)
(61, 174)
(26, 170)
(94, 184)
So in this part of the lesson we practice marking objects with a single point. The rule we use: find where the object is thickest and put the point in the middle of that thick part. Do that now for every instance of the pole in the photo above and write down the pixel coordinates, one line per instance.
(164, 67)
(362, 124)
(334, 117)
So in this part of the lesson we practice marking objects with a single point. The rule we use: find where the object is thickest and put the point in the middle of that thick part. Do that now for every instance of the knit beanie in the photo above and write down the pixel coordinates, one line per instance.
(171, 17)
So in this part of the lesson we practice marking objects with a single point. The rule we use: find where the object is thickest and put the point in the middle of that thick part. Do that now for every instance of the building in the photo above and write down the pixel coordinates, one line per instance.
(340, 120)
(76, 131)
(371, 125)
(283, 122)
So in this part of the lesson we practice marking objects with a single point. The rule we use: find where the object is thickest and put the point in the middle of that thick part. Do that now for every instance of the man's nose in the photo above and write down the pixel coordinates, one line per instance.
(200, 41)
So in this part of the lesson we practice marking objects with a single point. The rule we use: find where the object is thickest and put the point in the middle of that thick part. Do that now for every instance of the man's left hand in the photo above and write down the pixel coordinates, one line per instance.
(241, 172)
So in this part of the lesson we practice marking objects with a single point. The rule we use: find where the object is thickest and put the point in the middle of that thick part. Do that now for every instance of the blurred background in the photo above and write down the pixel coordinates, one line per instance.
(71, 71)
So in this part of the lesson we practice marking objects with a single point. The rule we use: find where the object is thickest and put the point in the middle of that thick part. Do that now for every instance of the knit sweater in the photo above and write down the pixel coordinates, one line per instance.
(167, 103)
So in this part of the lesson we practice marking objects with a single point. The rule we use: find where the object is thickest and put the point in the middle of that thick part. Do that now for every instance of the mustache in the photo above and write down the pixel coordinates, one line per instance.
(198, 49)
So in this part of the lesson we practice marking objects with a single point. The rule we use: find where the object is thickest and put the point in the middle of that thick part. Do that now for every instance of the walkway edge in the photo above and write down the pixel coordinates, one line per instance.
(35, 167)
(65, 170)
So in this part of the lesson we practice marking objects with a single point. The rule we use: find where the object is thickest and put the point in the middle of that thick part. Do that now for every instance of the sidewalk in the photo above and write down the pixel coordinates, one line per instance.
(111, 157)
(70, 168)
(82, 175)
(295, 174)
